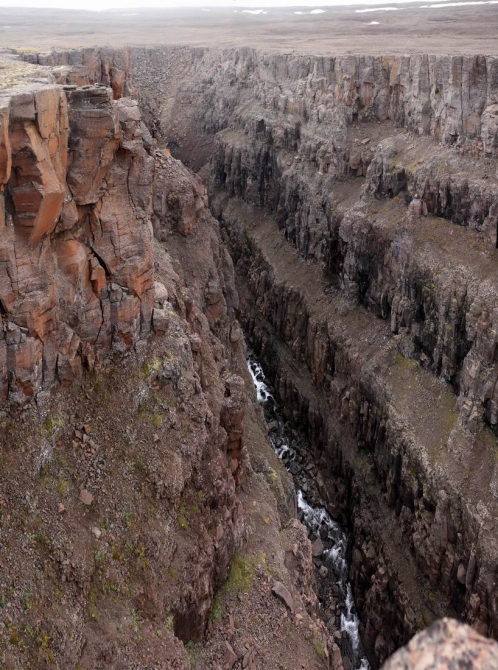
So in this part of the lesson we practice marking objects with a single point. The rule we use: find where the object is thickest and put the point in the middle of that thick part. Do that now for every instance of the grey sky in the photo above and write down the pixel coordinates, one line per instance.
(99, 5)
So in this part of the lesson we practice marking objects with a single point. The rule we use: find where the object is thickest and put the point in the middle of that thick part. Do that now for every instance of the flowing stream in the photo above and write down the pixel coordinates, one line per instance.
(288, 447)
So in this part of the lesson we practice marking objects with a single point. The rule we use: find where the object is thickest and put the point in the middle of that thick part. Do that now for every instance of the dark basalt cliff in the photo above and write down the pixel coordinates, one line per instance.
(358, 199)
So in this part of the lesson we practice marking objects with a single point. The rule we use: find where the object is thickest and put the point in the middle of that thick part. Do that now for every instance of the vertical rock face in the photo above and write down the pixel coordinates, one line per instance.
(364, 233)
(76, 247)
(451, 98)
(107, 246)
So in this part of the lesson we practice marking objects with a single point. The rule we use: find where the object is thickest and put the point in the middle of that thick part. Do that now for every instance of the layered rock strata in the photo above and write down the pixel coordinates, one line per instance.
(76, 245)
(375, 303)
(121, 497)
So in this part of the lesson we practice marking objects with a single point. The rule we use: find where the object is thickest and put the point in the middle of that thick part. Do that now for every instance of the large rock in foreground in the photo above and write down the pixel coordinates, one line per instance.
(444, 645)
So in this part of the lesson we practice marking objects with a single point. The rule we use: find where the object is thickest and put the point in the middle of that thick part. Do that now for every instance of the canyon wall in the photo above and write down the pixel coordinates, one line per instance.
(131, 511)
(111, 538)
(358, 199)
(76, 247)
(452, 98)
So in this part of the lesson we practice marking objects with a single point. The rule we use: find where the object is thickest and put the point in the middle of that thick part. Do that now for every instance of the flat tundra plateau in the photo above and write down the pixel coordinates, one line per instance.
(412, 28)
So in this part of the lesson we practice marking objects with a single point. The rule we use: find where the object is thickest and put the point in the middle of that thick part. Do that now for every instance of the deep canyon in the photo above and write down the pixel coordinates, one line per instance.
(162, 208)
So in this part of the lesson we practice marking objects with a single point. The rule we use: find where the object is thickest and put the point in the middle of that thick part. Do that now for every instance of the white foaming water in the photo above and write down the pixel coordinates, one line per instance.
(315, 518)
(253, 11)
(350, 622)
(336, 555)
(262, 391)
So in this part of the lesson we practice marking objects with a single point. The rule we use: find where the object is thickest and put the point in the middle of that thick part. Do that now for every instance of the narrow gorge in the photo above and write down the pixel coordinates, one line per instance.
(163, 209)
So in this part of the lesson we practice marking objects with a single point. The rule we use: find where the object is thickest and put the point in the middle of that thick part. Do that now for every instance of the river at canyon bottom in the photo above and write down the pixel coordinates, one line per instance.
(289, 448)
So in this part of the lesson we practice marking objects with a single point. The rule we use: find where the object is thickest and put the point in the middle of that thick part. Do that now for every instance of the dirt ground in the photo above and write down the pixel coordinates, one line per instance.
(413, 28)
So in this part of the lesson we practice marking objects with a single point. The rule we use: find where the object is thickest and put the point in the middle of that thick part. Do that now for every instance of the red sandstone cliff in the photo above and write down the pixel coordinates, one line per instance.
(76, 272)
(139, 518)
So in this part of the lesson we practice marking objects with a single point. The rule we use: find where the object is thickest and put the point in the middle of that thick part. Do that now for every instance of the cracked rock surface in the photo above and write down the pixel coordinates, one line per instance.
(76, 246)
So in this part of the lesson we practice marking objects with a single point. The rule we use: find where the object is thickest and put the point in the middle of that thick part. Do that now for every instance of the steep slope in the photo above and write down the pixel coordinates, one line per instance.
(357, 196)
(124, 406)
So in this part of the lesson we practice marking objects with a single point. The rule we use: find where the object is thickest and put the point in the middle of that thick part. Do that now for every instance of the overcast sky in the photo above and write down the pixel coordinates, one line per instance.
(130, 4)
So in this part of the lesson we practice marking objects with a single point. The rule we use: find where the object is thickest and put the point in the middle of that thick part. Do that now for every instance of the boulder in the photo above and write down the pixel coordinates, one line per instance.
(283, 594)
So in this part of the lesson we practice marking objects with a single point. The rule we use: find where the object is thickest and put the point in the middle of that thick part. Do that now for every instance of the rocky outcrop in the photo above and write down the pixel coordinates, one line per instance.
(138, 519)
(77, 272)
(446, 644)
